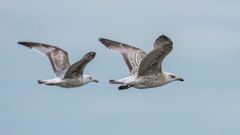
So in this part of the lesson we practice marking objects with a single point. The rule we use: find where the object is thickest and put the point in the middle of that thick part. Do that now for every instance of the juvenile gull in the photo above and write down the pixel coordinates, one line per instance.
(66, 75)
(145, 70)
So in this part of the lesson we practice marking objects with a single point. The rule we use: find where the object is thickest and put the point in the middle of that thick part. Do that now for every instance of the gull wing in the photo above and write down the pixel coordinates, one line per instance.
(131, 55)
(76, 69)
(152, 63)
(56, 56)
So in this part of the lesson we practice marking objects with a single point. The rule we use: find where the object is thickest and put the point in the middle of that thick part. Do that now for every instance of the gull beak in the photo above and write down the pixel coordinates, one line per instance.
(96, 81)
(180, 79)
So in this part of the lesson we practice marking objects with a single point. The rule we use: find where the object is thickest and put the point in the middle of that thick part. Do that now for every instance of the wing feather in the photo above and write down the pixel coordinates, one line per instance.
(131, 55)
(152, 63)
(57, 57)
(76, 69)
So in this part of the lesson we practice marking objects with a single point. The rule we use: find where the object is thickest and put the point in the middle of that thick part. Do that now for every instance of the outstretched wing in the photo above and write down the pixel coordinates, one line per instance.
(152, 63)
(57, 57)
(131, 55)
(76, 69)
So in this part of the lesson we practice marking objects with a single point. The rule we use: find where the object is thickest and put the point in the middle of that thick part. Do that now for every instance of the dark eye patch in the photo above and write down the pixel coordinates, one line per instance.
(172, 76)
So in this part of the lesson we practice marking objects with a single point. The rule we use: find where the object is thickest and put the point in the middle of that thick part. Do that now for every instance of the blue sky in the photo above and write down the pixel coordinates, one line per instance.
(206, 54)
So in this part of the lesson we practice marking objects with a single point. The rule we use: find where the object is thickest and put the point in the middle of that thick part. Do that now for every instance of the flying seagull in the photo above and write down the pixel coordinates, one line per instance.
(66, 75)
(145, 70)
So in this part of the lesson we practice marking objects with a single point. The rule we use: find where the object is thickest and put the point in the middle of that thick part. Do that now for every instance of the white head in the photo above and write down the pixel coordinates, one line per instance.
(171, 77)
(88, 79)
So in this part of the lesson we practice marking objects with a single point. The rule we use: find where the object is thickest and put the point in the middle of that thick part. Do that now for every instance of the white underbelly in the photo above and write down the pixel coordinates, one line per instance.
(149, 82)
(69, 83)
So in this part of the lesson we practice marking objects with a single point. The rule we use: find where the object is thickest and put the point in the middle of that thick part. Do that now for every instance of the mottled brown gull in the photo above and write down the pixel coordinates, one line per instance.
(145, 70)
(66, 75)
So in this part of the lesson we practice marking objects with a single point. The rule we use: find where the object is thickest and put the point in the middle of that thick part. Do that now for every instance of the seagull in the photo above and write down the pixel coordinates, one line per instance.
(145, 70)
(66, 75)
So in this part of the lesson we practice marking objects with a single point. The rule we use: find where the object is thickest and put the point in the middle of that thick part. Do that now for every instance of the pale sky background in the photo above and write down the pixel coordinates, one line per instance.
(206, 36)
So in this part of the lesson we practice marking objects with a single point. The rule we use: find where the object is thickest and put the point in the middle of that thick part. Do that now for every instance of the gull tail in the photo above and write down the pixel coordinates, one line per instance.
(41, 82)
(114, 82)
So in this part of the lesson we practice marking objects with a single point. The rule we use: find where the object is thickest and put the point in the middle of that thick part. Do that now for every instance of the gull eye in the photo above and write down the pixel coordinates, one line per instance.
(172, 76)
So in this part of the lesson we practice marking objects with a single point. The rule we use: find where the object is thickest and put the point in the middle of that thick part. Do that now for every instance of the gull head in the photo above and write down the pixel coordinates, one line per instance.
(89, 79)
(172, 77)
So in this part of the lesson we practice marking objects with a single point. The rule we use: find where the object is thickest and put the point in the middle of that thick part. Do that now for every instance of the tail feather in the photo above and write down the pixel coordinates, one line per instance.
(41, 82)
(115, 82)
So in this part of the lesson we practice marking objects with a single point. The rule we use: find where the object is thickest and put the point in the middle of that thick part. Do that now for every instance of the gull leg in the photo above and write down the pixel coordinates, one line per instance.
(124, 87)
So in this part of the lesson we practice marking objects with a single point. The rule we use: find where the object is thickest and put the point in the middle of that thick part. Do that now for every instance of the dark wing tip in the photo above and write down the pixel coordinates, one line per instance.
(109, 43)
(106, 42)
(165, 38)
(91, 55)
(103, 40)
(100, 39)
(25, 43)
(21, 42)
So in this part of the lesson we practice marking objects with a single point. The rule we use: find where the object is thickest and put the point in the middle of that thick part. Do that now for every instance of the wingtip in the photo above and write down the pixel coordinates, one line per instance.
(164, 37)
(93, 54)
(102, 40)
(99, 39)
(23, 43)
(106, 42)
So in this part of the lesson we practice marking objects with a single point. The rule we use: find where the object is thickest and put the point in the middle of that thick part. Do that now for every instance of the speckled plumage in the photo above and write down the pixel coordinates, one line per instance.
(145, 70)
(66, 75)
